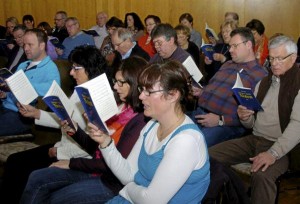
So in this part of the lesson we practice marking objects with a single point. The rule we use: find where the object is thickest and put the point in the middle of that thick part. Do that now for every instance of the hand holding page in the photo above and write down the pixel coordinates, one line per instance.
(59, 103)
(208, 50)
(210, 32)
(245, 96)
(21, 87)
(98, 101)
(194, 71)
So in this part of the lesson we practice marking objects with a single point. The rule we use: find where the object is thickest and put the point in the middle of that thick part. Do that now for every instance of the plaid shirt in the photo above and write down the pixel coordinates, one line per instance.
(217, 96)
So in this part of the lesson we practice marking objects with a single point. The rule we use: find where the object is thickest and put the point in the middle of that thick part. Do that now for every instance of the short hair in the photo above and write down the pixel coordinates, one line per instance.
(234, 15)
(74, 19)
(28, 17)
(156, 19)
(102, 13)
(46, 27)
(290, 45)
(136, 21)
(115, 22)
(233, 24)
(90, 58)
(171, 75)
(184, 29)
(123, 34)
(131, 69)
(41, 35)
(257, 25)
(166, 30)
(19, 27)
(186, 16)
(63, 14)
(13, 20)
(245, 33)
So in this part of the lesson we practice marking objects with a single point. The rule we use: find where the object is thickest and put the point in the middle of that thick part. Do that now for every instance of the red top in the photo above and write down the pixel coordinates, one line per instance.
(149, 48)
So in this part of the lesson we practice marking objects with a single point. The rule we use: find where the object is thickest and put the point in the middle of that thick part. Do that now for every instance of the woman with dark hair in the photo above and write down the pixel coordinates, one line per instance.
(28, 21)
(134, 24)
(50, 47)
(145, 41)
(82, 180)
(169, 162)
(87, 63)
(261, 41)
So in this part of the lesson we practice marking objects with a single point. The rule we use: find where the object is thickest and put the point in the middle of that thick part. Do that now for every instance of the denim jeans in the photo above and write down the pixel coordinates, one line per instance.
(217, 134)
(56, 185)
(13, 123)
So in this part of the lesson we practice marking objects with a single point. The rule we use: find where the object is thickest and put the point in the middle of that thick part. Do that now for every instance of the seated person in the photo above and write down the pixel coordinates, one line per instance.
(100, 28)
(87, 64)
(28, 21)
(17, 55)
(59, 30)
(9, 42)
(221, 50)
(99, 183)
(275, 130)
(134, 24)
(76, 38)
(40, 70)
(50, 47)
(261, 41)
(216, 114)
(183, 36)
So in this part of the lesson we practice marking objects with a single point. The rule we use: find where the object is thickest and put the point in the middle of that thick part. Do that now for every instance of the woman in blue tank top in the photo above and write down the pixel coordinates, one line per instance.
(169, 162)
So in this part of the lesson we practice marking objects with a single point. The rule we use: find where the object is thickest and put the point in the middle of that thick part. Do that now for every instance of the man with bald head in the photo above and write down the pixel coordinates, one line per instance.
(100, 28)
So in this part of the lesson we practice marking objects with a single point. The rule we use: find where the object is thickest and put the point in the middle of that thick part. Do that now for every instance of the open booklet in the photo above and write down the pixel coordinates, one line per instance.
(98, 101)
(21, 87)
(57, 44)
(245, 96)
(59, 103)
(208, 50)
(210, 32)
(194, 71)
(4, 74)
(91, 32)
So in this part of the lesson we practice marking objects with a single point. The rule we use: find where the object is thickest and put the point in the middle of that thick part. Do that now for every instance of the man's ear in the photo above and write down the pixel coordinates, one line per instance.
(42, 46)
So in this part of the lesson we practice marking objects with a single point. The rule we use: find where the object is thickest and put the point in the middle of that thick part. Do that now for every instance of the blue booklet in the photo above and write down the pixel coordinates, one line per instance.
(57, 44)
(208, 50)
(210, 32)
(4, 74)
(59, 103)
(98, 101)
(245, 96)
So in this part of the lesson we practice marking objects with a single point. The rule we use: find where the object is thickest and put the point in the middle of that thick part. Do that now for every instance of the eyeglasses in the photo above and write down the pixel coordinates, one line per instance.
(279, 59)
(58, 19)
(150, 24)
(76, 67)
(118, 44)
(147, 92)
(158, 43)
(71, 25)
(236, 45)
(119, 82)
(18, 37)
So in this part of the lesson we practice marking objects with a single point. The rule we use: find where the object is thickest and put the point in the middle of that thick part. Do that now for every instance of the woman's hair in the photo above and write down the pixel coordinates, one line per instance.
(156, 19)
(172, 76)
(257, 25)
(114, 22)
(136, 21)
(186, 16)
(131, 68)
(44, 25)
(13, 20)
(90, 58)
(183, 29)
(233, 25)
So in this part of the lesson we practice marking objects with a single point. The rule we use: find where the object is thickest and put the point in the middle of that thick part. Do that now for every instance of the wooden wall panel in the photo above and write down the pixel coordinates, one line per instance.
(277, 15)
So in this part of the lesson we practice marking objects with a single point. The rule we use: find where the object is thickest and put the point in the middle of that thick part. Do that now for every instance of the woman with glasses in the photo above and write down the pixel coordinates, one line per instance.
(82, 180)
(87, 64)
(169, 162)
(145, 41)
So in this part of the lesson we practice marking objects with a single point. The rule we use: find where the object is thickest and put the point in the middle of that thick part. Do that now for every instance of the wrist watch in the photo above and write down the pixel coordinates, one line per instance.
(221, 122)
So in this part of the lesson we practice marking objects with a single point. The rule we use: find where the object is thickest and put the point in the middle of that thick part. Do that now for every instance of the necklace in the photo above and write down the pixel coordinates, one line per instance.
(162, 134)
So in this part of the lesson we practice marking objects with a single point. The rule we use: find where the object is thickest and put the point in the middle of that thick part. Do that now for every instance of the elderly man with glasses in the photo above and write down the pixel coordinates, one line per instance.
(275, 130)
(60, 31)
(216, 114)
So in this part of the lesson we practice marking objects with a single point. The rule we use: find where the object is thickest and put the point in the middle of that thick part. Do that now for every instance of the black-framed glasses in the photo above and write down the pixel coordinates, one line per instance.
(118, 44)
(119, 82)
(147, 92)
(279, 59)
(236, 45)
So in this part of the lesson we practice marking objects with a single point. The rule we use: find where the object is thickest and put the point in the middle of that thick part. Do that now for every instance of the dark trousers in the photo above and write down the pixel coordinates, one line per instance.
(18, 168)
(263, 187)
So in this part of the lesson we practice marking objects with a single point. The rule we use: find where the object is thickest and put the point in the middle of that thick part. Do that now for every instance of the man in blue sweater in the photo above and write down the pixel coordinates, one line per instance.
(75, 39)
(40, 70)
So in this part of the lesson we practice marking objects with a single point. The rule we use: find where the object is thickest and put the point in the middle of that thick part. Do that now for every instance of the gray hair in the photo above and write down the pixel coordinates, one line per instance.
(123, 34)
(74, 19)
(289, 43)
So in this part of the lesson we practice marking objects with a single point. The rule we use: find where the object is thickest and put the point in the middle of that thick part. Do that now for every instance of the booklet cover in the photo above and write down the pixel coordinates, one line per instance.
(210, 32)
(208, 50)
(245, 96)
(57, 44)
(98, 101)
(59, 103)
(91, 32)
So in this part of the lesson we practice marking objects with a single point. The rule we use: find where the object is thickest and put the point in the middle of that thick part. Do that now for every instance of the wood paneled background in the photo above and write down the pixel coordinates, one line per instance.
(277, 15)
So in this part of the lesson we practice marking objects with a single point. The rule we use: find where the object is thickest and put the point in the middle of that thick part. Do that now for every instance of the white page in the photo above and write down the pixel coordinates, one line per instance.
(192, 68)
(21, 87)
(102, 96)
